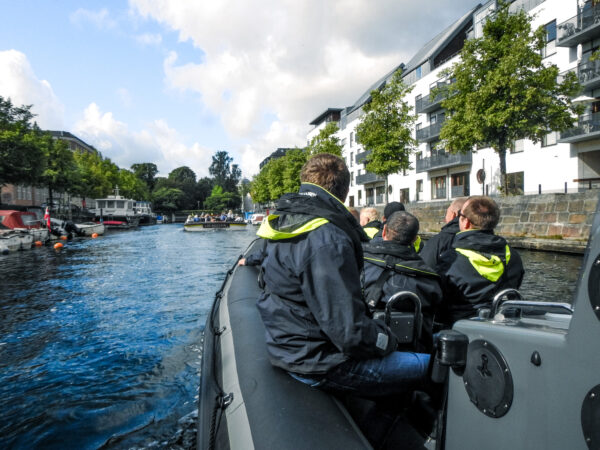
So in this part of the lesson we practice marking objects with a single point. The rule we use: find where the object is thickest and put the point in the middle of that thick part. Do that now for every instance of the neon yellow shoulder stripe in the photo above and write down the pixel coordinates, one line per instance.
(489, 268)
(267, 232)
(371, 231)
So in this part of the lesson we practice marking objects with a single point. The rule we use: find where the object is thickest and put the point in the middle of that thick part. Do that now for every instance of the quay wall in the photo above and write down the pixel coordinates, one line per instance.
(555, 222)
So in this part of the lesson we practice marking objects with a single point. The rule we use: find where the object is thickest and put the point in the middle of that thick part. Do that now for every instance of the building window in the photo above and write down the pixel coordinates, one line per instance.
(550, 47)
(438, 187)
(518, 146)
(418, 72)
(351, 201)
(379, 195)
(515, 183)
(419, 156)
(360, 197)
(351, 159)
(344, 142)
(549, 139)
(419, 190)
(351, 138)
(370, 196)
(404, 195)
(459, 184)
(351, 178)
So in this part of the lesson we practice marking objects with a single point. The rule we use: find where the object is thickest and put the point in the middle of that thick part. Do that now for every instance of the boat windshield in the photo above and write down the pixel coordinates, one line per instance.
(110, 204)
(101, 204)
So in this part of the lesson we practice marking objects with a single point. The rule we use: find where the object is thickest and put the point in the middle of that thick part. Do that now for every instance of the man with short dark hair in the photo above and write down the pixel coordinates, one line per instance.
(392, 265)
(438, 244)
(317, 324)
(479, 265)
(389, 209)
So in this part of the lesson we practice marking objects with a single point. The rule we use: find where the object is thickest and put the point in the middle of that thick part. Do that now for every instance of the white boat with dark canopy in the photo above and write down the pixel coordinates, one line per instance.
(116, 211)
(522, 375)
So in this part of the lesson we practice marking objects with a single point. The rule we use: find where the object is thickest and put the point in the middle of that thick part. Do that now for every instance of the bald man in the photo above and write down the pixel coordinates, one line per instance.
(438, 244)
(369, 220)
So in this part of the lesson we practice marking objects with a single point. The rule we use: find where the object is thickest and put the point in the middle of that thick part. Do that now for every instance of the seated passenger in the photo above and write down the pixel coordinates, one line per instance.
(392, 265)
(317, 326)
(389, 209)
(479, 265)
(438, 244)
(369, 220)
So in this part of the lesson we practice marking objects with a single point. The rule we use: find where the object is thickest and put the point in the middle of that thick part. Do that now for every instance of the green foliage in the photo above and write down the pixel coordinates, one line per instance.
(22, 157)
(147, 173)
(220, 201)
(293, 162)
(132, 187)
(183, 175)
(259, 187)
(326, 141)
(166, 198)
(503, 91)
(61, 171)
(224, 173)
(386, 128)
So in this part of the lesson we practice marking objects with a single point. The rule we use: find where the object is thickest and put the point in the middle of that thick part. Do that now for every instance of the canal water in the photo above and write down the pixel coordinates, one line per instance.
(100, 343)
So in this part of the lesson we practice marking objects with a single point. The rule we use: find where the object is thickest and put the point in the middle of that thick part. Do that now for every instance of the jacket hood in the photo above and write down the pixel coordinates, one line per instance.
(403, 258)
(481, 241)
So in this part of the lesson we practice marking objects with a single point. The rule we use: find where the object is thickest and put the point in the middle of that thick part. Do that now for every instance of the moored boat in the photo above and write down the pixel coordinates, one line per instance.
(90, 228)
(25, 222)
(10, 241)
(116, 211)
(523, 376)
(144, 211)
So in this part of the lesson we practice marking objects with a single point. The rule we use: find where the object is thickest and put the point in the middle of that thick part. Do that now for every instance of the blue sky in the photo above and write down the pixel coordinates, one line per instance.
(174, 81)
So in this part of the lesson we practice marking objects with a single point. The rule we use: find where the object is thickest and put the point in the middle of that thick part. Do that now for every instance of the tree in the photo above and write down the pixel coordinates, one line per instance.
(166, 198)
(61, 172)
(147, 173)
(224, 173)
(22, 157)
(386, 129)
(220, 201)
(326, 141)
(503, 91)
(293, 161)
(184, 179)
(132, 187)
(182, 174)
(259, 187)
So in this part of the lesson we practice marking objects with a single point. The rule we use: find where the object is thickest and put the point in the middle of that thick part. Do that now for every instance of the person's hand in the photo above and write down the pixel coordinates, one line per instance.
(242, 262)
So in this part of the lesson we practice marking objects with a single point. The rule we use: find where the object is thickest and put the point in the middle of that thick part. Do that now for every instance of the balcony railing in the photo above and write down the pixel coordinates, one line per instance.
(430, 133)
(368, 177)
(588, 74)
(443, 160)
(430, 102)
(579, 28)
(360, 158)
(587, 128)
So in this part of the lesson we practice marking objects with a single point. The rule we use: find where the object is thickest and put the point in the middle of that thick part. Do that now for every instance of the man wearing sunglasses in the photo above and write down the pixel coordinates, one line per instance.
(479, 265)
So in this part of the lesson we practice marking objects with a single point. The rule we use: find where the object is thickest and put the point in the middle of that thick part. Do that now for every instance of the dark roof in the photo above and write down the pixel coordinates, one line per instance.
(276, 154)
(324, 114)
(71, 137)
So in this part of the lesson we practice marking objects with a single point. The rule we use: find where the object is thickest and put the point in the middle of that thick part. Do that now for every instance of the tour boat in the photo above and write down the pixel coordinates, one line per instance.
(191, 225)
(25, 222)
(522, 375)
(116, 211)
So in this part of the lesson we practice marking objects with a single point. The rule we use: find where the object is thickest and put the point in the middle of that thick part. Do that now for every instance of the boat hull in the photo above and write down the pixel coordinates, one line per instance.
(89, 228)
(9, 242)
(267, 409)
(210, 226)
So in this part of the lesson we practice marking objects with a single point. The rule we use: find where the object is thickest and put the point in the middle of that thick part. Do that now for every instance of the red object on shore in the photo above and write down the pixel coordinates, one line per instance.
(47, 218)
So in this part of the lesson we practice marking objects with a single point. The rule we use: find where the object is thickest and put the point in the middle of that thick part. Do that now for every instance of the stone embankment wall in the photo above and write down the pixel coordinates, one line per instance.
(557, 222)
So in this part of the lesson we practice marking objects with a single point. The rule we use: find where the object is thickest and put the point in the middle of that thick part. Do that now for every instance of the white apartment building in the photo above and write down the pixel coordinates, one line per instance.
(566, 162)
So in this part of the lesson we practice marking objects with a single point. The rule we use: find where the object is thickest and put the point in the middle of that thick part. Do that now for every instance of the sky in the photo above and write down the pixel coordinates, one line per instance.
(174, 81)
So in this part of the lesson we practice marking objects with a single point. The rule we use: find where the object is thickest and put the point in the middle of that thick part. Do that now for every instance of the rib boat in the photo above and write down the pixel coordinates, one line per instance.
(522, 375)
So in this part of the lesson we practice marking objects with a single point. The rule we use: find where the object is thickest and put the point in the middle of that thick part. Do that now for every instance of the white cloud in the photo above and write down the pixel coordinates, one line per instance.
(19, 83)
(149, 39)
(158, 143)
(100, 19)
(291, 60)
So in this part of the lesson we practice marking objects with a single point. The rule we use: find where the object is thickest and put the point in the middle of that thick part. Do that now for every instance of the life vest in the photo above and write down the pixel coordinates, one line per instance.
(372, 228)
(491, 267)
(393, 259)
(301, 213)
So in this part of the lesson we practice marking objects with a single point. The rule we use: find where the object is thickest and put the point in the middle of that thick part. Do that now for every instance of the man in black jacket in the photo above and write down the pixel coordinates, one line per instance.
(479, 265)
(317, 324)
(393, 265)
(438, 244)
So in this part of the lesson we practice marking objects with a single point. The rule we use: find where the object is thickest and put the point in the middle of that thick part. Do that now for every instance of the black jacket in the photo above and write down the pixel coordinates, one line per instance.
(410, 273)
(438, 244)
(312, 307)
(478, 266)
(373, 228)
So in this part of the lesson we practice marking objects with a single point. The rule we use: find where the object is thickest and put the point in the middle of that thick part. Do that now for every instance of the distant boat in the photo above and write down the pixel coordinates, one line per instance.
(195, 224)
(116, 211)
(144, 211)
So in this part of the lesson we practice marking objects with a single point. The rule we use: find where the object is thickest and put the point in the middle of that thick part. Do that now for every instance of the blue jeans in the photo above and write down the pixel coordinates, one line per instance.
(396, 373)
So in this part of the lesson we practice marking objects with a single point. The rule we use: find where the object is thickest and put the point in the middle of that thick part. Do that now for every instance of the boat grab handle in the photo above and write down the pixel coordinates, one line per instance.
(501, 300)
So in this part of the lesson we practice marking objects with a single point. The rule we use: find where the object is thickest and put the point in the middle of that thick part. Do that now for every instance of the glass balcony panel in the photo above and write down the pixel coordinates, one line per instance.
(443, 160)
(579, 28)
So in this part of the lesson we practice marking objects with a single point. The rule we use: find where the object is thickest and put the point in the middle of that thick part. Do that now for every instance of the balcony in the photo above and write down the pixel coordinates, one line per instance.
(431, 103)
(368, 177)
(580, 28)
(430, 133)
(360, 158)
(587, 129)
(442, 161)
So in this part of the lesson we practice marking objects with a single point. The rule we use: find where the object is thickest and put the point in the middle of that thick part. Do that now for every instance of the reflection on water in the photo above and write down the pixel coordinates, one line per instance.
(100, 343)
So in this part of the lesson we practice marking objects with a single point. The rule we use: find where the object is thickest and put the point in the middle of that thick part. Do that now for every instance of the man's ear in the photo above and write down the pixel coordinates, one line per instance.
(384, 232)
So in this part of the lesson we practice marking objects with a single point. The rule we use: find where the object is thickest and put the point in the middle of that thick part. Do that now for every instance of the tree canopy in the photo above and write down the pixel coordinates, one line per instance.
(326, 141)
(385, 131)
(503, 91)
